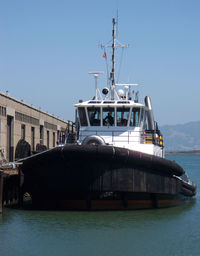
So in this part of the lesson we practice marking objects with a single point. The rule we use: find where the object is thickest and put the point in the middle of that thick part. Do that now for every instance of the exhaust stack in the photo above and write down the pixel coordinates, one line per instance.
(150, 118)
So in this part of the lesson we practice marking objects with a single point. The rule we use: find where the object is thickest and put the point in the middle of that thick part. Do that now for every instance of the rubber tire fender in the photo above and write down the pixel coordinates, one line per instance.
(93, 139)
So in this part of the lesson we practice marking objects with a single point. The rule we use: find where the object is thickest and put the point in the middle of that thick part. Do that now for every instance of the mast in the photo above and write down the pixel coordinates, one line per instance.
(115, 44)
(112, 73)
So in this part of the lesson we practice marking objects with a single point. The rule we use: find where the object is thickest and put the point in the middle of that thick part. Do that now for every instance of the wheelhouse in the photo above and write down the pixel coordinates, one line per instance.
(115, 115)
(121, 123)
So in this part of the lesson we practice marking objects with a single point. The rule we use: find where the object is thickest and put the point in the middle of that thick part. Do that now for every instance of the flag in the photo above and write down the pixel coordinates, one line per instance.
(104, 55)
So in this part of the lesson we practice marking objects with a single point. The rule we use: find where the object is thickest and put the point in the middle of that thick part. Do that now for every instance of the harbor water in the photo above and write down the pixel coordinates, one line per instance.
(158, 232)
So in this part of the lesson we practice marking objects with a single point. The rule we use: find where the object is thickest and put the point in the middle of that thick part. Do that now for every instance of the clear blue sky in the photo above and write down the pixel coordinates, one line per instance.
(47, 48)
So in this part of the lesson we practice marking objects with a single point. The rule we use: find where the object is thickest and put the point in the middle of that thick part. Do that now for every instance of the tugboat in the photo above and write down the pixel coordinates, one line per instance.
(117, 161)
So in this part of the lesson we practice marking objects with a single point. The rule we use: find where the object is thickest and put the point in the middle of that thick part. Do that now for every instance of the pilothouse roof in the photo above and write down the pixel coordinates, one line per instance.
(106, 103)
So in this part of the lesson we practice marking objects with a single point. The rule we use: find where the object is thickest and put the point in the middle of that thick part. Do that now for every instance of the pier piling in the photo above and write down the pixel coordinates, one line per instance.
(1, 190)
(10, 185)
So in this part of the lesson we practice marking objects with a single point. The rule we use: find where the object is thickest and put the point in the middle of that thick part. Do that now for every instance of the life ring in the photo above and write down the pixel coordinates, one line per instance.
(93, 140)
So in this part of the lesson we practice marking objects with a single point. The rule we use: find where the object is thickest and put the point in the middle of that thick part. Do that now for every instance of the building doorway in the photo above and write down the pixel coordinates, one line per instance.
(33, 139)
(10, 138)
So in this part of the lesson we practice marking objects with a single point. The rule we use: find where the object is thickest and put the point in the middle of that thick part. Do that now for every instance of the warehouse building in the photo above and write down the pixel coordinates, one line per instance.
(23, 123)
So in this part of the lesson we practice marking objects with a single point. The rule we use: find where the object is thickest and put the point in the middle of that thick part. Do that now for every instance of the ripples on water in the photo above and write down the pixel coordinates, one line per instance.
(173, 231)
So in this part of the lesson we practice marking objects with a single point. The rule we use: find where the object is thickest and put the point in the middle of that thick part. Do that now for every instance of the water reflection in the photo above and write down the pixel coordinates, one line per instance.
(169, 231)
(97, 233)
(104, 219)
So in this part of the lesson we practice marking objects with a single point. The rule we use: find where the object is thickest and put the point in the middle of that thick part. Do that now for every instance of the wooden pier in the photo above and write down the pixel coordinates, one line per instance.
(10, 183)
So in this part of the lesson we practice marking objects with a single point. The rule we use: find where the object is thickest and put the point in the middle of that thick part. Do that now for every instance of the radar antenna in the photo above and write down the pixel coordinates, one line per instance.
(96, 74)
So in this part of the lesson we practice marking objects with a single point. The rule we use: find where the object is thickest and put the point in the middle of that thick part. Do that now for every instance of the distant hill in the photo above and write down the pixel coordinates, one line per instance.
(181, 137)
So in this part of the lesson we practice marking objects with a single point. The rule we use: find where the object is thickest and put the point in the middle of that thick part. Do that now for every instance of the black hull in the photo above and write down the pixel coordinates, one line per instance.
(101, 178)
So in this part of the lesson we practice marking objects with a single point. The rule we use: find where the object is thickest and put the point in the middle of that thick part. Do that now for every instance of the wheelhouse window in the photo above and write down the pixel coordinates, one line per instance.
(94, 115)
(82, 116)
(122, 116)
(108, 116)
(135, 117)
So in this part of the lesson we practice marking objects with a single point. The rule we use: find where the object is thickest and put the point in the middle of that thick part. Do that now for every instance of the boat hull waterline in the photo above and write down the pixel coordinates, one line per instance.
(96, 177)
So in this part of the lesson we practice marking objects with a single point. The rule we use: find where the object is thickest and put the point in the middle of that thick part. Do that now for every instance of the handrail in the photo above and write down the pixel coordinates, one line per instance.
(143, 137)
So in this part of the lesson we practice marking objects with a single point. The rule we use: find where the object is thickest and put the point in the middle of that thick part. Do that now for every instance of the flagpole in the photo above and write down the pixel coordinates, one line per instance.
(106, 59)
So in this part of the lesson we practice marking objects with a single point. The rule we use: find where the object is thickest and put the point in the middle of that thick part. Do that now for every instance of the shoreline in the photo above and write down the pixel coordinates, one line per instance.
(188, 152)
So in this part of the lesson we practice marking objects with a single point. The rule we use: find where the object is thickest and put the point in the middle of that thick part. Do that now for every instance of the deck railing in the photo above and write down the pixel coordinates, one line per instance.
(144, 137)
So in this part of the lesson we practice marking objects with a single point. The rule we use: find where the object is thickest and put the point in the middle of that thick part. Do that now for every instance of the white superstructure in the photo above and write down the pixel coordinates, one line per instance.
(121, 122)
